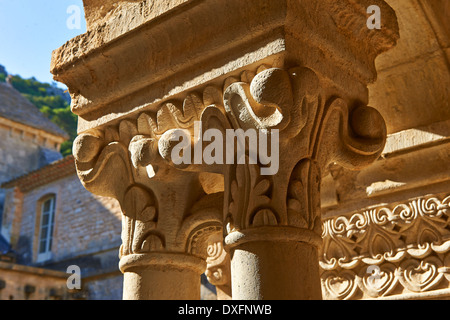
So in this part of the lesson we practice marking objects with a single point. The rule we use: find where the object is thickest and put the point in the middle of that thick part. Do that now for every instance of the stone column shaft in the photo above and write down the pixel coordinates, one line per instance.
(158, 277)
(275, 271)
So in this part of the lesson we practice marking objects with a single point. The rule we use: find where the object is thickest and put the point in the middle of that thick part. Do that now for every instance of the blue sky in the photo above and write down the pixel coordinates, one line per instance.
(30, 30)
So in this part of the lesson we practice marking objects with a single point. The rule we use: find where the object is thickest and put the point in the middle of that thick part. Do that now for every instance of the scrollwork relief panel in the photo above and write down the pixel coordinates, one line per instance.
(406, 243)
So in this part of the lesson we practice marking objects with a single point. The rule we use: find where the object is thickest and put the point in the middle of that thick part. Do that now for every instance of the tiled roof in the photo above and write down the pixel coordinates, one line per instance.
(52, 172)
(15, 107)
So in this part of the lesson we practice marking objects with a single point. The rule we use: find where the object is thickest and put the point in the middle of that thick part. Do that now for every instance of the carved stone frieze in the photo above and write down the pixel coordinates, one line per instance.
(386, 251)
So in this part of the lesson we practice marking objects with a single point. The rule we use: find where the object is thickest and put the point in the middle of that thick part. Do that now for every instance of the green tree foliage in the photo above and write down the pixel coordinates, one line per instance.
(50, 104)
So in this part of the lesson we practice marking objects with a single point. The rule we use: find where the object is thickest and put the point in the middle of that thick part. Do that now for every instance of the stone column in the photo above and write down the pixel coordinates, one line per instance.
(293, 72)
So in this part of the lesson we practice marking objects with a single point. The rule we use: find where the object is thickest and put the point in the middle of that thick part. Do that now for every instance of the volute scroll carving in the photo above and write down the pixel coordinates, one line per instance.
(214, 141)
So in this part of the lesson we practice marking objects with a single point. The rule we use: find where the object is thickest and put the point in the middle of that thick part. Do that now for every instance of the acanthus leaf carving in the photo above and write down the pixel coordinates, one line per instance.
(249, 198)
(303, 199)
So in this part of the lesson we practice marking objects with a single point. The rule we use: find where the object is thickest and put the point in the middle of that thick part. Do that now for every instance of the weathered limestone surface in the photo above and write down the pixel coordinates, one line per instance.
(297, 71)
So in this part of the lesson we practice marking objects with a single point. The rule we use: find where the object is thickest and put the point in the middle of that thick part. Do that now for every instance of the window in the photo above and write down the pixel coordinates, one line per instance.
(46, 229)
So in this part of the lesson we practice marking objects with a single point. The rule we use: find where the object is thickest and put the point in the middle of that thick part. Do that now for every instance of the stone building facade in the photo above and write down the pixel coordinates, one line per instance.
(36, 251)
(19, 282)
(90, 246)
(49, 221)
(28, 140)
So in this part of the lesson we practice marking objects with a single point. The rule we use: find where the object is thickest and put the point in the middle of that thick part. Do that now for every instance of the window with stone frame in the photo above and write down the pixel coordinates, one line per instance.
(46, 228)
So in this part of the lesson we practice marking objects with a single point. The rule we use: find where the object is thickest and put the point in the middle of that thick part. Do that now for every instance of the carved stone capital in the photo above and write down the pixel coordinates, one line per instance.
(303, 129)
(311, 130)
(164, 210)
(137, 53)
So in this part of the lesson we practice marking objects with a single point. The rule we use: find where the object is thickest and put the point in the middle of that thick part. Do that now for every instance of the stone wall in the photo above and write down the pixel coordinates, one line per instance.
(413, 83)
(16, 157)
